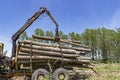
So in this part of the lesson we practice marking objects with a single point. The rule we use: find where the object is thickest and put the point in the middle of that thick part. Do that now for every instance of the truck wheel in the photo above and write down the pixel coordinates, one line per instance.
(40, 74)
(60, 74)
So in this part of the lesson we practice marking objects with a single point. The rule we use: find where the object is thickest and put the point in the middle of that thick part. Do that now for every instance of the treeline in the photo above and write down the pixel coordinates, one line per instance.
(40, 32)
(105, 43)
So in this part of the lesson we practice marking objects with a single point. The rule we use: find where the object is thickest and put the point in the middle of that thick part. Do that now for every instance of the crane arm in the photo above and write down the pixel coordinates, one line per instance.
(28, 23)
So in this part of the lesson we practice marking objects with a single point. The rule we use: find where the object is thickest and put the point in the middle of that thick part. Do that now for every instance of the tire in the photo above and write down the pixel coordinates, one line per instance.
(58, 72)
(40, 72)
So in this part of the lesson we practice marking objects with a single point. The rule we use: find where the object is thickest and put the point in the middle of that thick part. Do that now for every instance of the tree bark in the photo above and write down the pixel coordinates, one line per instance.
(62, 41)
(47, 53)
(67, 51)
(53, 45)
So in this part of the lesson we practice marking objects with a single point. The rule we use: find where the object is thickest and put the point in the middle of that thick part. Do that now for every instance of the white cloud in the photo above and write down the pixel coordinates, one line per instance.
(7, 44)
(115, 22)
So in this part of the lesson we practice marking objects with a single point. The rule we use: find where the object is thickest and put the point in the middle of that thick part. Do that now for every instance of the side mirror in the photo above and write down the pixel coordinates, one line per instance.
(1, 48)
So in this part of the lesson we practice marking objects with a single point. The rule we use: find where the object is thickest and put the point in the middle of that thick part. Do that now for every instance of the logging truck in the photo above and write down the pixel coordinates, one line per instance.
(42, 58)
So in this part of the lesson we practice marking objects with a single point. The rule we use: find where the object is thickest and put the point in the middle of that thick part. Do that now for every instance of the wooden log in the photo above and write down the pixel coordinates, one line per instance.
(52, 61)
(77, 58)
(52, 58)
(74, 41)
(53, 45)
(28, 42)
(24, 54)
(43, 38)
(68, 64)
(69, 51)
(63, 41)
(72, 64)
(26, 51)
(83, 58)
(33, 61)
(47, 53)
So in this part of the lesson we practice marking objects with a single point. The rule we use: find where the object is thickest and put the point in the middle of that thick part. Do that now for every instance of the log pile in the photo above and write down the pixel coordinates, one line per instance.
(67, 53)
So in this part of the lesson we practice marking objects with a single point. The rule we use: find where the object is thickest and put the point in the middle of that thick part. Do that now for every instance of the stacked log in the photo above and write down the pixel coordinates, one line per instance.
(54, 53)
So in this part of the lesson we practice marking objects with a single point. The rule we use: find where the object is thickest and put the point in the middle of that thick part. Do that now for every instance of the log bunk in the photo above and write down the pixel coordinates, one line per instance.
(65, 53)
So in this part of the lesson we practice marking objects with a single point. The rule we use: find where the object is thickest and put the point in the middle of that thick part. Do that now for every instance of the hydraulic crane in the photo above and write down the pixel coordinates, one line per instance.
(28, 23)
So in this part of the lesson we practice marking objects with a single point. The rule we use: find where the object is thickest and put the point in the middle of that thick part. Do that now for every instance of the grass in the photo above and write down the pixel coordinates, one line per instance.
(106, 72)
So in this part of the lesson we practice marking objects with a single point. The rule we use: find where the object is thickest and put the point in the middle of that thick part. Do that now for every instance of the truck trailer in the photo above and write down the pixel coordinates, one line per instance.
(43, 58)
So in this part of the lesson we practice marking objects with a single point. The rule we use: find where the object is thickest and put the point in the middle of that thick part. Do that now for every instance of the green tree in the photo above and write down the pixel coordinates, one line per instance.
(65, 36)
(117, 45)
(103, 42)
(49, 34)
(72, 35)
(61, 33)
(39, 32)
(77, 37)
(89, 38)
(23, 36)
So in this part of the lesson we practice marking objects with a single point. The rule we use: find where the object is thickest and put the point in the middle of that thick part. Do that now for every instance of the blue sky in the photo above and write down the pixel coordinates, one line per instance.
(72, 15)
